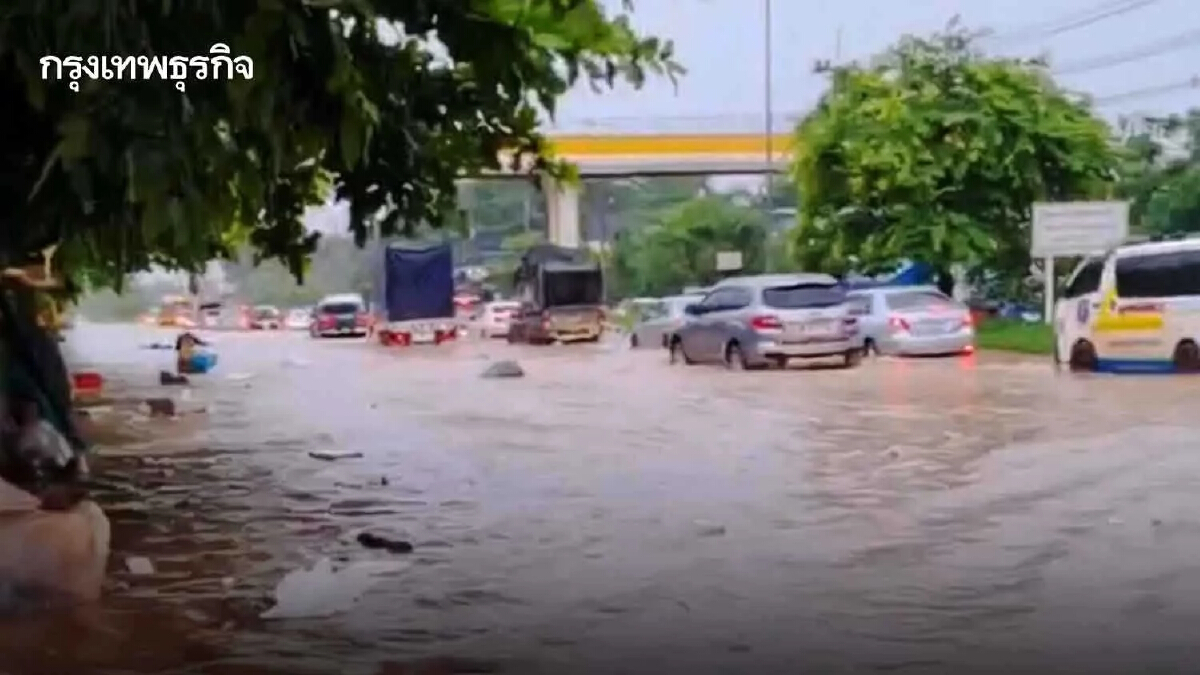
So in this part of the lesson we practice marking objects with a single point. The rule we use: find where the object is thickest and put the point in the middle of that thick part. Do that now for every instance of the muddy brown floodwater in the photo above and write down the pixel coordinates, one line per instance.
(609, 513)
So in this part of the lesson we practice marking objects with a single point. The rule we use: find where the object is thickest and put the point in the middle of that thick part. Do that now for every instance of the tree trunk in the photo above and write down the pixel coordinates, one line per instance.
(944, 280)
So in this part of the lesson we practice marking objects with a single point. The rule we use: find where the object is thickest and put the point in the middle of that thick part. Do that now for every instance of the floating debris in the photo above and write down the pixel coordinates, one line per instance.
(331, 456)
(377, 542)
(139, 566)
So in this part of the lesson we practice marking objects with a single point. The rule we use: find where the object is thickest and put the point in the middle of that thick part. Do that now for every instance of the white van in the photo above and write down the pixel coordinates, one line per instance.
(1135, 308)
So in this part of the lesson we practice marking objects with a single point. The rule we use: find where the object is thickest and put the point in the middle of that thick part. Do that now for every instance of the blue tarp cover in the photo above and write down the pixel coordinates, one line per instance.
(417, 282)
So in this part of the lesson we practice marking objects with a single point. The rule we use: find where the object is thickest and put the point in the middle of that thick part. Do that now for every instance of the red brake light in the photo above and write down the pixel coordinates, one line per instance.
(766, 322)
(897, 323)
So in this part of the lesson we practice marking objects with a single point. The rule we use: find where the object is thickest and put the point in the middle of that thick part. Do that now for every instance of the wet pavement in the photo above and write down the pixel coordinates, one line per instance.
(609, 513)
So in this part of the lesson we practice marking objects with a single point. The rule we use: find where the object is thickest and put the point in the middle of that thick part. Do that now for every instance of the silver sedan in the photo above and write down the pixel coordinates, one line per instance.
(661, 320)
(912, 321)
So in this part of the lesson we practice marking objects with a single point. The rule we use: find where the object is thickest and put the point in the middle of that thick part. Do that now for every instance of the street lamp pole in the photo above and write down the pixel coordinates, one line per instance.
(769, 129)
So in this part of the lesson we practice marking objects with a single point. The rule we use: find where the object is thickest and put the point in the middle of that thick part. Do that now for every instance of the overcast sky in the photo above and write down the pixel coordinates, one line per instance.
(723, 44)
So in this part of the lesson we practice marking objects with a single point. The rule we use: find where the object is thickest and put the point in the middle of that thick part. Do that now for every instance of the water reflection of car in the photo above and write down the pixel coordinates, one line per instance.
(298, 318)
(340, 315)
(769, 319)
(912, 321)
(496, 317)
(266, 317)
(660, 320)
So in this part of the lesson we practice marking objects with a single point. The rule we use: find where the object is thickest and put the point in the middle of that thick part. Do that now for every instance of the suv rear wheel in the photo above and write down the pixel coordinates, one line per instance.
(853, 358)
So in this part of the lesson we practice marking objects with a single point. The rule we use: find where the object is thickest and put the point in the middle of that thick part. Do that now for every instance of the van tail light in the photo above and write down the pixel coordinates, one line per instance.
(898, 324)
(766, 322)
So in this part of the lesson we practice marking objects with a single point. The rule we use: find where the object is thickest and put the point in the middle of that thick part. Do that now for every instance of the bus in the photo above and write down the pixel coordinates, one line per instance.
(1134, 308)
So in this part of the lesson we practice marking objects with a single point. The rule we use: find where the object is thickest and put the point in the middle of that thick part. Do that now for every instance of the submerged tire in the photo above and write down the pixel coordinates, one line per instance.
(1083, 357)
(1186, 357)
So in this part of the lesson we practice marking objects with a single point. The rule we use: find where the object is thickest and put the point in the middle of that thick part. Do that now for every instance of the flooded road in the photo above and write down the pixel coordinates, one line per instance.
(609, 513)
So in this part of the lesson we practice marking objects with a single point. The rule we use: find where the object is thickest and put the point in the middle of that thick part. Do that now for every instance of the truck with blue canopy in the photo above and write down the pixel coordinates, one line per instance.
(413, 302)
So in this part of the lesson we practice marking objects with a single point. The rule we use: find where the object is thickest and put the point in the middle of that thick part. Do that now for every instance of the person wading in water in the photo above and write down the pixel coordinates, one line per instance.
(185, 349)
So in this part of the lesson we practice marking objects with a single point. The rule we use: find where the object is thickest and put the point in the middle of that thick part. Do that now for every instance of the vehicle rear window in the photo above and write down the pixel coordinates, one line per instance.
(569, 288)
(917, 300)
(802, 296)
(340, 308)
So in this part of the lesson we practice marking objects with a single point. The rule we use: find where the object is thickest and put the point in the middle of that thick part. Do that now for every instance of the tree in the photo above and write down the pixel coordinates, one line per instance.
(387, 103)
(1160, 173)
(681, 248)
(935, 153)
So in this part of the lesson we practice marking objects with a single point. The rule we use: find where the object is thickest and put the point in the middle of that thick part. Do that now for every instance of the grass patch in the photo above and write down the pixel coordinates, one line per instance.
(1015, 336)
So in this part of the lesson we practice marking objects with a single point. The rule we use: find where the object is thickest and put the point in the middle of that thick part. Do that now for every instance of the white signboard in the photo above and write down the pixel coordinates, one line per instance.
(1077, 228)
(729, 261)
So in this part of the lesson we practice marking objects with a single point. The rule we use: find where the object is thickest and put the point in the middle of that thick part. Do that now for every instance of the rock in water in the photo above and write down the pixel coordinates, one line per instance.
(505, 368)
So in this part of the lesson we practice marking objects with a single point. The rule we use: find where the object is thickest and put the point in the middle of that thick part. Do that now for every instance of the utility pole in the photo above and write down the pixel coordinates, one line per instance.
(769, 127)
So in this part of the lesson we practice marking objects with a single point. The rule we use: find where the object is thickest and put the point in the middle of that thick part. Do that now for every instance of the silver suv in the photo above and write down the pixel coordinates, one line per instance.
(764, 320)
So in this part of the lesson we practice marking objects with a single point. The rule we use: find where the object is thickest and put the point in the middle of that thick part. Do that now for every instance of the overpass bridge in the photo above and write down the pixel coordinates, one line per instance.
(617, 148)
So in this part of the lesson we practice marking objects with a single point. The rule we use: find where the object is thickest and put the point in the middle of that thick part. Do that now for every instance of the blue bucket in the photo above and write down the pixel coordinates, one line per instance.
(202, 362)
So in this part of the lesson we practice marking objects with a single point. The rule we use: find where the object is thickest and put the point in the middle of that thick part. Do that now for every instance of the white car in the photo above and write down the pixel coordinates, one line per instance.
(298, 319)
(496, 317)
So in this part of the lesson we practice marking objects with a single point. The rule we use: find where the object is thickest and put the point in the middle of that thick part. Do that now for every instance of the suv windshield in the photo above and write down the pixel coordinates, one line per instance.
(340, 308)
(803, 296)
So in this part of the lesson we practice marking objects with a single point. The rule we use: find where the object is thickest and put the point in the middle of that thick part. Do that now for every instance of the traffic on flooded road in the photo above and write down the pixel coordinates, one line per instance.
(609, 512)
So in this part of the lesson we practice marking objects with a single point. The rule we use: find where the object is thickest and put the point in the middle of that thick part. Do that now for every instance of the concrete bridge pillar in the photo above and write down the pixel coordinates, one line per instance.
(562, 213)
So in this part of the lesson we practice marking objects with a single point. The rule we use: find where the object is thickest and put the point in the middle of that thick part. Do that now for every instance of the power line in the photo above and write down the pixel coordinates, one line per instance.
(1192, 82)
(1096, 14)
(1185, 40)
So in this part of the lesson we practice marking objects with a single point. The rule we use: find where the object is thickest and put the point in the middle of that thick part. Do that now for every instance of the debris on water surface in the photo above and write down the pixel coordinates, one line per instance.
(441, 665)
(705, 529)
(377, 542)
(322, 591)
(331, 456)
(239, 377)
(505, 369)
(167, 378)
(159, 407)
(139, 566)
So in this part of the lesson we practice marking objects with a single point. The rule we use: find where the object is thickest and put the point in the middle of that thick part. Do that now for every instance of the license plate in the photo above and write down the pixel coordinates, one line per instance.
(422, 338)
(818, 329)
